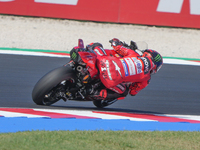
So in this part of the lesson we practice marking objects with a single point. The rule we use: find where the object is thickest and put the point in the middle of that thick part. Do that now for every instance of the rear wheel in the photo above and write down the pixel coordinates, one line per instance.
(51, 87)
(103, 103)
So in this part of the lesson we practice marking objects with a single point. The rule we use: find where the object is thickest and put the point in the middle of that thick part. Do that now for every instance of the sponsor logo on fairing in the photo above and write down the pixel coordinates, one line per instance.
(74, 55)
(125, 67)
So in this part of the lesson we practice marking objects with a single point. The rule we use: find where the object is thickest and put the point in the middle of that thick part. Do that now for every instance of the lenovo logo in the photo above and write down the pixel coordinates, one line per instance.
(175, 6)
(63, 2)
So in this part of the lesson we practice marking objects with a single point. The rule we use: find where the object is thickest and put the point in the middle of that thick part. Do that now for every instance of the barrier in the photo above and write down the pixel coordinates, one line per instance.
(176, 13)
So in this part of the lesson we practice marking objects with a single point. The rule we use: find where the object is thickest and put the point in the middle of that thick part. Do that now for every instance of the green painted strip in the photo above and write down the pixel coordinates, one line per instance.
(67, 52)
(33, 50)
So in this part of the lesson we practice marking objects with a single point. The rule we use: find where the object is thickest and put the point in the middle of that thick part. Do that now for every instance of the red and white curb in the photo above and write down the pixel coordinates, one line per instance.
(82, 114)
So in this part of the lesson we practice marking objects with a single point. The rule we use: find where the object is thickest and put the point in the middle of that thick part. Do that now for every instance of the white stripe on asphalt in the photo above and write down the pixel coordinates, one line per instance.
(14, 114)
(165, 60)
(30, 53)
(91, 114)
(180, 62)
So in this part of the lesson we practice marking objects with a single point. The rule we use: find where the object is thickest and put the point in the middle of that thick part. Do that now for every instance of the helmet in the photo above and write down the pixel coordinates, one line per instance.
(157, 59)
(115, 42)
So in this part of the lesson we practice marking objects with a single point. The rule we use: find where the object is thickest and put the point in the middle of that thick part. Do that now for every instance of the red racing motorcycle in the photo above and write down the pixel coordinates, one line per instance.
(72, 81)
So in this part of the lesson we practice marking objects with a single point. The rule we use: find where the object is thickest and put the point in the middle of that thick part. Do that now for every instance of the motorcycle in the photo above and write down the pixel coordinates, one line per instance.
(72, 81)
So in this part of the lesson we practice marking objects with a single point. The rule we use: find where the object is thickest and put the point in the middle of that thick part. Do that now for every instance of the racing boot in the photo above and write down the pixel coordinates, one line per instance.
(106, 94)
(98, 94)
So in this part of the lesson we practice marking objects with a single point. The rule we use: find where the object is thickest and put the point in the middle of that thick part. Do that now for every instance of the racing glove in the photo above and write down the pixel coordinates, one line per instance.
(119, 46)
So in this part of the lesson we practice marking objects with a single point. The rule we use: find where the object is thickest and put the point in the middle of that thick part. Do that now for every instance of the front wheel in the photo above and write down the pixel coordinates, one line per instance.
(48, 89)
(103, 103)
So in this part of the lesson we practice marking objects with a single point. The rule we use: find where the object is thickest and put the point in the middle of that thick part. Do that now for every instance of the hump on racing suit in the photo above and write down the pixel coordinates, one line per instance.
(151, 62)
(130, 67)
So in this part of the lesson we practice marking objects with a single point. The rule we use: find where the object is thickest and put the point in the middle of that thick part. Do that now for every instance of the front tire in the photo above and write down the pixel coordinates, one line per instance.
(48, 82)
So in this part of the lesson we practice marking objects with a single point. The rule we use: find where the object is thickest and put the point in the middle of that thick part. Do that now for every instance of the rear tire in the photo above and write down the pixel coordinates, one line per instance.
(49, 81)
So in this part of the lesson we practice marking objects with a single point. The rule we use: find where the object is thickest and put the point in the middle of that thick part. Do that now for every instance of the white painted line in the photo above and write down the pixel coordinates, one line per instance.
(83, 113)
(30, 53)
(189, 117)
(180, 62)
(14, 114)
(91, 114)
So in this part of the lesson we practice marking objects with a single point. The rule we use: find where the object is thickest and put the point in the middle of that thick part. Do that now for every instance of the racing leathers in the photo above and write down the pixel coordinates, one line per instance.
(117, 70)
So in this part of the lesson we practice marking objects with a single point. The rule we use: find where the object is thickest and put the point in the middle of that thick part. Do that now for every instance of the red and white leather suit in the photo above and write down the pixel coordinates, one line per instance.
(126, 67)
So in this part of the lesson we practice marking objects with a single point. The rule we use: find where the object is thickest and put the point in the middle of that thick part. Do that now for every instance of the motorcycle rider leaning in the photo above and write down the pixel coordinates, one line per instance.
(126, 67)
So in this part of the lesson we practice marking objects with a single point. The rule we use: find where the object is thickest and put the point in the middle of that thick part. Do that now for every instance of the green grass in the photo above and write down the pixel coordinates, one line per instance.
(99, 140)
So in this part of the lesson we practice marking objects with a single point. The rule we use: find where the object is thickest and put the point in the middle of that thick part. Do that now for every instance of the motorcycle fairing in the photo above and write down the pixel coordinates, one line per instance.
(90, 60)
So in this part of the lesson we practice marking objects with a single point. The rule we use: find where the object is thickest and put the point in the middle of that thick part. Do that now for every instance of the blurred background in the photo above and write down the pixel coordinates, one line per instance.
(168, 26)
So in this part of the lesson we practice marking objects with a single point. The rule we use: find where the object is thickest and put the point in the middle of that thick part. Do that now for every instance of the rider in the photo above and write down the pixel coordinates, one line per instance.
(129, 66)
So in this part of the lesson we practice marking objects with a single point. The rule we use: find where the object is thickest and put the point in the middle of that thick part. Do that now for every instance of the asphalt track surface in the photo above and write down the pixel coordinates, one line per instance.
(175, 89)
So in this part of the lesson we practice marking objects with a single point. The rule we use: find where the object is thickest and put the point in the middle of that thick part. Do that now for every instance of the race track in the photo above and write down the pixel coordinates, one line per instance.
(174, 90)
